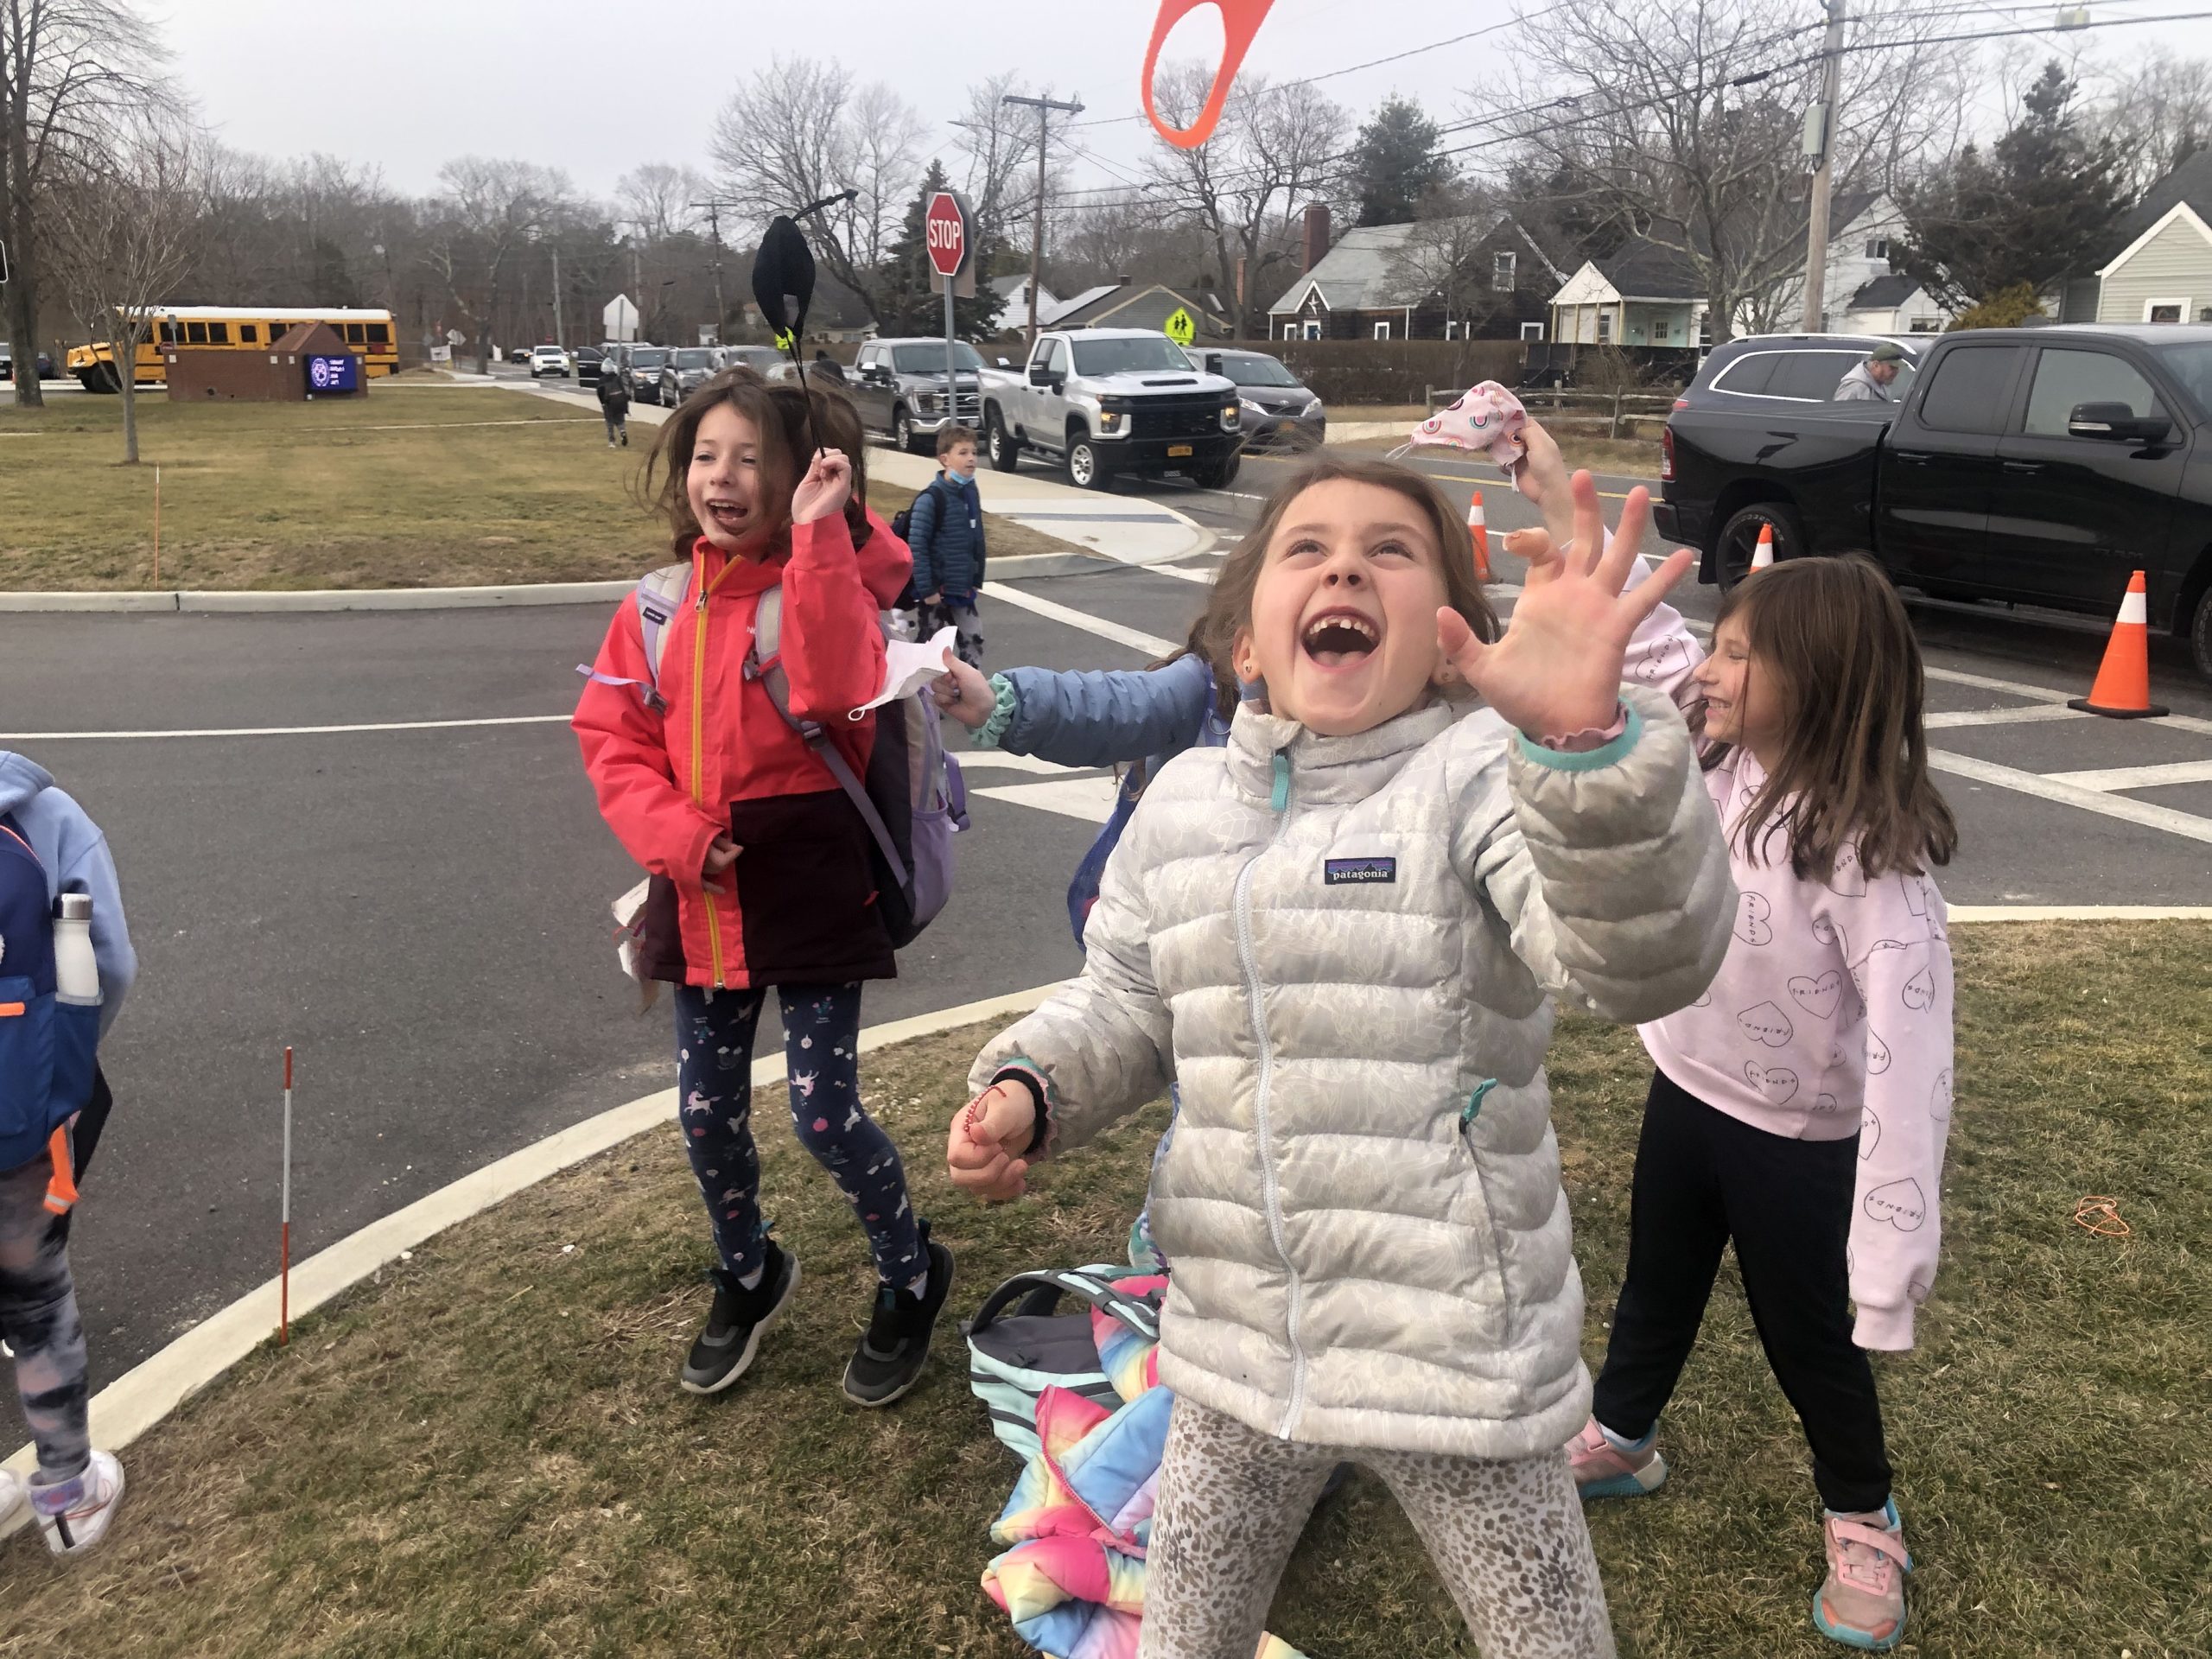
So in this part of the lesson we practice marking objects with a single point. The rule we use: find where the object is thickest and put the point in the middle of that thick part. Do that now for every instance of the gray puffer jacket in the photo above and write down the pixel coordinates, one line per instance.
(1342, 948)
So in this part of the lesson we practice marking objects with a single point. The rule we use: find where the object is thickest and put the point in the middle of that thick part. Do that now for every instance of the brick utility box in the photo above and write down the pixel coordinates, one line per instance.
(309, 361)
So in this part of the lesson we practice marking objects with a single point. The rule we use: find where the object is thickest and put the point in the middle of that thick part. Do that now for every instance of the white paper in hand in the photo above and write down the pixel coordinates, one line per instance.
(908, 667)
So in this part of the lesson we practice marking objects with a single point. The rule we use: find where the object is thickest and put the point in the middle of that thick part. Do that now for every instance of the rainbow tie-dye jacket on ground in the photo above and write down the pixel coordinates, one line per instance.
(1081, 1513)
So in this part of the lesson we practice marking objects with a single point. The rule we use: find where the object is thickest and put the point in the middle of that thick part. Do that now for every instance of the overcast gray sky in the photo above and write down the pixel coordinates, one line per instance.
(421, 81)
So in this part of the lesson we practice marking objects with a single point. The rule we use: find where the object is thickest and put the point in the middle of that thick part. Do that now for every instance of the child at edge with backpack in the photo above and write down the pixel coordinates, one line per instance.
(945, 531)
(48, 848)
(1339, 932)
(614, 404)
(764, 863)
(1799, 1107)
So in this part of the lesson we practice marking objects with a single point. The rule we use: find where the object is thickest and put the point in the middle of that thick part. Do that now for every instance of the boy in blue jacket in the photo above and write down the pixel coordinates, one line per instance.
(944, 529)
(75, 1491)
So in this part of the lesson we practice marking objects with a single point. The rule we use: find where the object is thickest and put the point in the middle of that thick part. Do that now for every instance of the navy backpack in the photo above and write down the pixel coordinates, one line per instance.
(47, 1046)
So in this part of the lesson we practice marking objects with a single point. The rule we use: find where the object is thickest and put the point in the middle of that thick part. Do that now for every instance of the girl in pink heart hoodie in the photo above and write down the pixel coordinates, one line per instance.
(1799, 1107)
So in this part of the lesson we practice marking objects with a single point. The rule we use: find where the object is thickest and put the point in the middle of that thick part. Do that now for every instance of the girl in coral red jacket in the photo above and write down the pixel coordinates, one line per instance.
(767, 877)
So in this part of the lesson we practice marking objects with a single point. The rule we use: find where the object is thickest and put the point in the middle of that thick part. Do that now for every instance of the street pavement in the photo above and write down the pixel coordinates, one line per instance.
(422, 912)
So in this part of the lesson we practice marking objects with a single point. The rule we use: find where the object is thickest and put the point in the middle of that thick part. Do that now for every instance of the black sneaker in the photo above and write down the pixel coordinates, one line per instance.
(734, 1330)
(888, 1362)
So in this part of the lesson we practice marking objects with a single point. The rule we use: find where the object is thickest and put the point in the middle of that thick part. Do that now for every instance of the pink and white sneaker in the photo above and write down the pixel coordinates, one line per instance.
(75, 1514)
(1606, 1467)
(1862, 1604)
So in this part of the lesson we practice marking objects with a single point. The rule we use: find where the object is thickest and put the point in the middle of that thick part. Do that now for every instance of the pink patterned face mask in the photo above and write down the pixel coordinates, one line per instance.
(1489, 419)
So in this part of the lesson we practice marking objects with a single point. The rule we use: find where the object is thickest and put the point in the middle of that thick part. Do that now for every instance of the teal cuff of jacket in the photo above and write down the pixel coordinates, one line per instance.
(1005, 704)
(1589, 759)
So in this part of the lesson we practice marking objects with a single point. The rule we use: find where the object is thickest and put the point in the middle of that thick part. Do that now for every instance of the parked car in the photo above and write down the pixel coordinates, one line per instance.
(685, 371)
(8, 363)
(2035, 466)
(1102, 401)
(644, 365)
(589, 359)
(898, 385)
(548, 359)
(1279, 409)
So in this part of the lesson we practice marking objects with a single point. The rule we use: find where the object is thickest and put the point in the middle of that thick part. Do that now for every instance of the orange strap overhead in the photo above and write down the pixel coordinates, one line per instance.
(1240, 22)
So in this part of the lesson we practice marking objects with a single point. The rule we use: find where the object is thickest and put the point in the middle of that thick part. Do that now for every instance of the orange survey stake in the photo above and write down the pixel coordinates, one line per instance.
(1240, 22)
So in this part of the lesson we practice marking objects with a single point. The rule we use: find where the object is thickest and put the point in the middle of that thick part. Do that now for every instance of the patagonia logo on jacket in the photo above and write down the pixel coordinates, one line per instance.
(1357, 871)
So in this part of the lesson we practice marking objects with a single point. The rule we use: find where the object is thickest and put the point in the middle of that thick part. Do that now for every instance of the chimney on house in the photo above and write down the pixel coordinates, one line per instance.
(1316, 233)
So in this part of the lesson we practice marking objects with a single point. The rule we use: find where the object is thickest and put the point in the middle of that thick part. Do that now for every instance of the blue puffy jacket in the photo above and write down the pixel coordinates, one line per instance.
(945, 531)
(1141, 718)
(76, 859)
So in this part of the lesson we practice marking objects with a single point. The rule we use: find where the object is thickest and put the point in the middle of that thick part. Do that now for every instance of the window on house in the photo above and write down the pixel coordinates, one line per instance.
(1604, 325)
(1532, 331)
(1660, 328)
(2165, 310)
(1926, 325)
(1704, 329)
(2204, 314)
(1382, 330)
(1312, 331)
(1504, 269)
(1878, 247)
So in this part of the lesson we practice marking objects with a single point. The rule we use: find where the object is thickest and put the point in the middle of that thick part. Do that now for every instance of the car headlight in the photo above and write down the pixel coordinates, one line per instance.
(1112, 423)
(1229, 417)
(1312, 408)
(1250, 408)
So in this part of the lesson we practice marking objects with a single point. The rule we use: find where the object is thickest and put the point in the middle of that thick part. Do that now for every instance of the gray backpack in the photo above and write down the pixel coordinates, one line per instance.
(913, 800)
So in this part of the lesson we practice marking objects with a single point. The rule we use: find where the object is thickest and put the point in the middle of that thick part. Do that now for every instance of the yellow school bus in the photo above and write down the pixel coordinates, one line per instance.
(368, 335)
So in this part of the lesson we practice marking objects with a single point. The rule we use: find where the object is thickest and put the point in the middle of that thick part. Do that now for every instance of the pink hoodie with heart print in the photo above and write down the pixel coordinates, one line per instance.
(1832, 1014)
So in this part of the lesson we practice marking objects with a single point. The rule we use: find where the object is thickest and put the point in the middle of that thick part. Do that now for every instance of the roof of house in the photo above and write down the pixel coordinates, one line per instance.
(2190, 182)
(1094, 306)
(1063, 310)
(1007, 287)
(1640, 268)
(1883, 293)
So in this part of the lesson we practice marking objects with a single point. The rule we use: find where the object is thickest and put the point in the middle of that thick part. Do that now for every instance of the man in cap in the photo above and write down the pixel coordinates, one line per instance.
(1869, 382)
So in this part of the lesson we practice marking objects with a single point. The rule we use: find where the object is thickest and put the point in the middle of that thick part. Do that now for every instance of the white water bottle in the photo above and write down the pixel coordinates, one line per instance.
(76, 971)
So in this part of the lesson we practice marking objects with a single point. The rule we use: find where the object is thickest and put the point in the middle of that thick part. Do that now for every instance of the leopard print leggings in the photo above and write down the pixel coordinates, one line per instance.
(1508, 1538)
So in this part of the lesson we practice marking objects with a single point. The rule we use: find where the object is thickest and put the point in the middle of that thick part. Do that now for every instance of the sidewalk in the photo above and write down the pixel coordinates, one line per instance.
(1129, 530)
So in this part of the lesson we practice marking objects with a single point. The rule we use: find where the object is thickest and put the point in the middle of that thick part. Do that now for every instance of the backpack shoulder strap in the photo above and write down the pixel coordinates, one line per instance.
(658, 595)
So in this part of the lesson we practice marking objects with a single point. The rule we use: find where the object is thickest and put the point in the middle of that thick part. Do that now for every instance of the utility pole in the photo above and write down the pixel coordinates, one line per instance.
(1044, 106)
(560, 335)
(714, 232)
(1819, 150)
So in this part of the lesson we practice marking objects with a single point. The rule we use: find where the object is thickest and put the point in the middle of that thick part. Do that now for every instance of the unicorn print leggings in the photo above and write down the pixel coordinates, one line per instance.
(821, 1023)
(38, 1316)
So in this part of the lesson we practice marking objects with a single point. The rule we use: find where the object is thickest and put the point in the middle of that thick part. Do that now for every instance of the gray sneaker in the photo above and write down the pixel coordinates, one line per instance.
(733, 1332)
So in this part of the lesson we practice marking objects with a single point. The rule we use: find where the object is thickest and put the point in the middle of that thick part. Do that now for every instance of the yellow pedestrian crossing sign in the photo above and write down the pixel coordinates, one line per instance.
(1180, 327)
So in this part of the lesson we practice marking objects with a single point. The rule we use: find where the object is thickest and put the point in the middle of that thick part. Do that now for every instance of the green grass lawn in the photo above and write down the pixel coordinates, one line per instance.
(486, 1453)
(412, 485)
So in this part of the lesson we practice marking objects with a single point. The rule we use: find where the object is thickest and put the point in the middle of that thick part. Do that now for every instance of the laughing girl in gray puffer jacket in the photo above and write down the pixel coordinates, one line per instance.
(1338, 933)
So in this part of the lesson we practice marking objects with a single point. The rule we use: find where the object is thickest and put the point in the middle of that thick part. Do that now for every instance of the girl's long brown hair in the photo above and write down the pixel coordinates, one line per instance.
(778, 410)
(1230, 607)
(1832, 642)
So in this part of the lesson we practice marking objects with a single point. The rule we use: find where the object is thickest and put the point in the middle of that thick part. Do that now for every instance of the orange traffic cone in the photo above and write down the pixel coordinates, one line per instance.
(1762, 555)
(1479, 531)
(2123, 686)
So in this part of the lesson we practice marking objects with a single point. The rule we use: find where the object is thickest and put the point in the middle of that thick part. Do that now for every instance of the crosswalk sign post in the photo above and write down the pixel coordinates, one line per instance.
(1180, 327)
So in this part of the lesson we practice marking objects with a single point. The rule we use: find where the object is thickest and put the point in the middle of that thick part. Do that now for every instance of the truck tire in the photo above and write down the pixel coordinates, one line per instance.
(1739, 539)
(1087, 469)
(902, 429)
(1218, 474)
(1006, 454)
(2200, 635)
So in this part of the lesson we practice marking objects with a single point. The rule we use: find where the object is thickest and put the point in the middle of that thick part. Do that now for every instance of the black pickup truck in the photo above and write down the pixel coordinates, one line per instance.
(2038, 466)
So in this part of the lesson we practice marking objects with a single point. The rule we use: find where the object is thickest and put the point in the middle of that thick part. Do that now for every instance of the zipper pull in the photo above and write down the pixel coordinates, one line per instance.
(1281, 799)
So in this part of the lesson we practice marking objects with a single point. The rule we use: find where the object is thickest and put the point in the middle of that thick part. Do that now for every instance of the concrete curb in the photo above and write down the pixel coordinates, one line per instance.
(149, 1392)
(207, 602)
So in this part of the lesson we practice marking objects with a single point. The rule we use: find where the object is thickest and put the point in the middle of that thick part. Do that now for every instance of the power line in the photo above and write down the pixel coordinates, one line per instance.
(1984, 35)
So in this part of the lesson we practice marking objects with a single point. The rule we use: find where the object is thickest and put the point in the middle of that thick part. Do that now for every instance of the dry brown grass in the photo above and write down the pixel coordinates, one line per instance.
(486, 1453)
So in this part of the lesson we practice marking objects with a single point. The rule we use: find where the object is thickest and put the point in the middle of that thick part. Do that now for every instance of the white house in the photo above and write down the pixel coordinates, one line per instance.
(1013, 292)
(1643, 293)
(1860, 294)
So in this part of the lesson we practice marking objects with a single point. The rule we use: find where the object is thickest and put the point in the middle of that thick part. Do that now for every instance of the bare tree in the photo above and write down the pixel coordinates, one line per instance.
(655, 200)
(490, 212)
(1446, 260)
(1686, 126)
(2157, 110)
(799, 130)
(1277, 148)
(65, 67)
(999, 144)
(124, 220)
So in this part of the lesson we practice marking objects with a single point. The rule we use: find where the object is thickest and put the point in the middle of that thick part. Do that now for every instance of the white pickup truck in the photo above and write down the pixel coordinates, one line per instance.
(1102, 401)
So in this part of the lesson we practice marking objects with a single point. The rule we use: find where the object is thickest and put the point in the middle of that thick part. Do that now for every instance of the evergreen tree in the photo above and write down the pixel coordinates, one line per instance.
(2039, 207)
(912, 294)
(1395, 162)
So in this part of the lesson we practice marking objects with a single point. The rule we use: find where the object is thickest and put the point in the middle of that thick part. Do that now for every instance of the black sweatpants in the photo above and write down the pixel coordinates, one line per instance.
(1702, 1179)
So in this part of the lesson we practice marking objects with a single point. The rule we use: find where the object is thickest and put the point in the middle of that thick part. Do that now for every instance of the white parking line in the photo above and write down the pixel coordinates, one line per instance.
(1149, 643)
(1943, 720)
(2186, 824)
(1090, 799)
(971, 758)
(288, 731)
(2179, 772)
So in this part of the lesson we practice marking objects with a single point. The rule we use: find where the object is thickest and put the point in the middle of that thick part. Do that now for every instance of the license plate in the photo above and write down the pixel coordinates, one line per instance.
(1179, 449)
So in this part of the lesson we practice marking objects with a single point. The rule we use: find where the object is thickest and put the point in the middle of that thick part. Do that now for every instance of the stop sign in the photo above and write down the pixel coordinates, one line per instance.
(946, 223)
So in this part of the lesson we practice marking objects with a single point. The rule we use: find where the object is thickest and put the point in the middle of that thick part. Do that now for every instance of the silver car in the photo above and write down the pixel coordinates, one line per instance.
(1278, 409)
